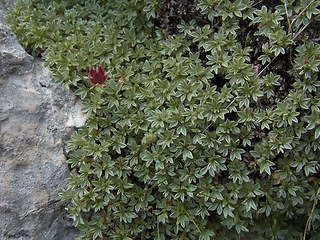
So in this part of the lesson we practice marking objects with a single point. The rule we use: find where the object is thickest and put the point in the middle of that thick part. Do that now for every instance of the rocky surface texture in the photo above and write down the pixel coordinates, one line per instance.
(36, 119)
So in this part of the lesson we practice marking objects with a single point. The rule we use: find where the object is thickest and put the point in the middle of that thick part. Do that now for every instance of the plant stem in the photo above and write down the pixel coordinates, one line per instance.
(309, 221)
(189, 216)
(295, 19)
(300, 31)
(287, 14)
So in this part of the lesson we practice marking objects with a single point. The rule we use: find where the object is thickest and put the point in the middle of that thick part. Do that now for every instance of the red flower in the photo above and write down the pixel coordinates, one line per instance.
(98, 76)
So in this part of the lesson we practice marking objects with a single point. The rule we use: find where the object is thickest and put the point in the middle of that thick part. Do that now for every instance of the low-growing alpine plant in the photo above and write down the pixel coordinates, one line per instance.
(207, 130)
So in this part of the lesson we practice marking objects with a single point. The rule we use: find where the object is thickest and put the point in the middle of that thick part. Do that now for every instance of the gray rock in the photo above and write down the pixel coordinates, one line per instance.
(36, 119)
(4, 5)
(13, 59)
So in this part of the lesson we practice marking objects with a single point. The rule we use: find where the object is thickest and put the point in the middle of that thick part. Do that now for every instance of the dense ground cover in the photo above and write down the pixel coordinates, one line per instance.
(203, 116)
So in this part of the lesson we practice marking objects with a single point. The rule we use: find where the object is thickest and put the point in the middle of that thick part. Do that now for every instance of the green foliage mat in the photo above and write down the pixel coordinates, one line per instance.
(204, 130)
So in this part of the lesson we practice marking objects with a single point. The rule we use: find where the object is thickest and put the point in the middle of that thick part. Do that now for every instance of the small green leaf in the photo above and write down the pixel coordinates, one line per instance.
(317, 133)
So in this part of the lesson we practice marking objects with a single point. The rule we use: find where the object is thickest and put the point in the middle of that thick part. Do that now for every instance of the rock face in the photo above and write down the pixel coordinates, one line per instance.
(36, 119)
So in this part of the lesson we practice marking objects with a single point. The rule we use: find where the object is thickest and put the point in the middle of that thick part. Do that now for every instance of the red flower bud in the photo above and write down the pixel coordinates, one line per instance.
(98, 76)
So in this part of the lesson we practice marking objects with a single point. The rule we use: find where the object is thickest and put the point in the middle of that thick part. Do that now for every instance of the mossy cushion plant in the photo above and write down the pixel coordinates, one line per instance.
(206, 132)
